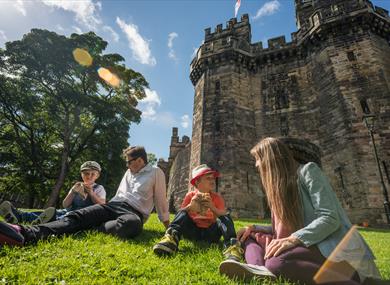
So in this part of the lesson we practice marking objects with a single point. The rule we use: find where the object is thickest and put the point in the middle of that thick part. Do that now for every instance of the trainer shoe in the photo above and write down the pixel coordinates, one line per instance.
(9, 212)
(234, 251)
(48, 215)
(237, 270)
(10, 235)
(169, 244)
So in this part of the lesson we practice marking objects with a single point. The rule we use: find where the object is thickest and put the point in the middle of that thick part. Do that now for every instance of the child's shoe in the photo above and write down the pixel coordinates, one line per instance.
(169, 244)
(234, 251)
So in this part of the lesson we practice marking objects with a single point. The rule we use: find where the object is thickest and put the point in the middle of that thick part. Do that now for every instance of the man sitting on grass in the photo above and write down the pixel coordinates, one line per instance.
(202, 217)
(142, 186)
(81, 195)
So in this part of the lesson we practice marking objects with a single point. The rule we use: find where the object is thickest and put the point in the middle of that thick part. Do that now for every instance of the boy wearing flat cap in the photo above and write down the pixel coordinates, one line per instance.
(202, 217)
(81, 195)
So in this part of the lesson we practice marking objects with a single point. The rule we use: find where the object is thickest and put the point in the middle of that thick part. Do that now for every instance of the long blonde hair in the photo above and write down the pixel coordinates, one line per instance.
(278, 173)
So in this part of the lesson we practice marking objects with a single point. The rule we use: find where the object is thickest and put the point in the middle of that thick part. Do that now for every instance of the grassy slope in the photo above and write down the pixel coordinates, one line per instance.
(94, 258)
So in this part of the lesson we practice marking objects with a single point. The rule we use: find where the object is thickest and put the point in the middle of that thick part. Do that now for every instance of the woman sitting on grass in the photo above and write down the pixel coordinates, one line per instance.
(308, 223)
(81, 195)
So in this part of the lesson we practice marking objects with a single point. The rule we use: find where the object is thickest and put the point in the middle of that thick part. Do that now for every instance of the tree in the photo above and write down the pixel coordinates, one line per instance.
(56, 112)
(152, 159)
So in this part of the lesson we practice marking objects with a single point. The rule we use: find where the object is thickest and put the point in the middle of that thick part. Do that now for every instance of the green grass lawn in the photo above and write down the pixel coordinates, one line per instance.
(95, 258)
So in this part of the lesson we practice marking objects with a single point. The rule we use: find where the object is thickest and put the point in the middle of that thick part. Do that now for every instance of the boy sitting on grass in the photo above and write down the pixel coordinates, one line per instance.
(202, 217)
(81, 195)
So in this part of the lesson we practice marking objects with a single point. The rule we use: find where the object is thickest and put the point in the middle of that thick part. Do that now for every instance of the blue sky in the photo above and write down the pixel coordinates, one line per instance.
(158, 39)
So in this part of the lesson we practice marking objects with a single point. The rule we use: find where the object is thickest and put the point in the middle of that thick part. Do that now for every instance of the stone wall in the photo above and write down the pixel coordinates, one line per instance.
(179, 178)
(317, 87)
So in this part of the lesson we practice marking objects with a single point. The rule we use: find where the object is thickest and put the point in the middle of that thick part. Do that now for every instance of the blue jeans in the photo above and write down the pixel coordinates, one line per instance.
(29, 217)
(184, 225)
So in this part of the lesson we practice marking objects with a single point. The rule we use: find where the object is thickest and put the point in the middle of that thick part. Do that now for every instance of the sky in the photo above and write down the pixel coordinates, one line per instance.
(158, 38)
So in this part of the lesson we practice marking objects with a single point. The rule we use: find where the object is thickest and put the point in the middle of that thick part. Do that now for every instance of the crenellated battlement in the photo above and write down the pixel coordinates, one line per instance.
(233, 27)
(316, 21)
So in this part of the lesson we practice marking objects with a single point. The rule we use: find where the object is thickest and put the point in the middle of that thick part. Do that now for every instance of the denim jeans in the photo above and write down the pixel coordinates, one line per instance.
(184, 226)
(117, 218)
(27, 217)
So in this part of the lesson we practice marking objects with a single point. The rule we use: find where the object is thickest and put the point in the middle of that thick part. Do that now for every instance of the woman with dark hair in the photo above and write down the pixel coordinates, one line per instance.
(308, 223)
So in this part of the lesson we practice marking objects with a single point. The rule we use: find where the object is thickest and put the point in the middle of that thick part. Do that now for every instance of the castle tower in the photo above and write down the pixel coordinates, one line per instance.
(223, 121)
(316, 87)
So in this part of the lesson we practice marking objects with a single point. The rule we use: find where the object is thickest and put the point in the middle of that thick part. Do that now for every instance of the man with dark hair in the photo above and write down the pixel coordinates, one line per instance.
(142, 187)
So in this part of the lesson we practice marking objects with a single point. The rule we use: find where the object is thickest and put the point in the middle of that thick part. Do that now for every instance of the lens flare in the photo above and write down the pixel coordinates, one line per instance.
(82, 57)
(335, 271)
(109, 77)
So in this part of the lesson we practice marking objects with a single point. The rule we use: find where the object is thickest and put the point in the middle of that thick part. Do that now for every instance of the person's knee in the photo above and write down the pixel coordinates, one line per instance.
(128, 227)
(276, 265)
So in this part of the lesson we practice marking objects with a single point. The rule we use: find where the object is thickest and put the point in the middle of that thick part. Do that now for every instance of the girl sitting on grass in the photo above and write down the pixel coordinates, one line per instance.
(308, 223)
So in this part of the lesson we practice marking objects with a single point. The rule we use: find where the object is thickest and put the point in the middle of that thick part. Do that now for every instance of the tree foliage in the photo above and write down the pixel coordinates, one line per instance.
(152, 159)
(56, 113)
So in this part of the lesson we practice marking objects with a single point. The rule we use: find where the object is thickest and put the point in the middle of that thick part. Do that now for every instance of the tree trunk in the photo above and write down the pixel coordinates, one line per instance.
(55, 193)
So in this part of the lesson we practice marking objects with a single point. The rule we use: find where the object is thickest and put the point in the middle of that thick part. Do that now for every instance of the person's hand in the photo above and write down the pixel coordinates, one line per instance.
(277, 246)
(77, 187)
(194, 205)
(244, 233)
(207, 202)
(88, 188)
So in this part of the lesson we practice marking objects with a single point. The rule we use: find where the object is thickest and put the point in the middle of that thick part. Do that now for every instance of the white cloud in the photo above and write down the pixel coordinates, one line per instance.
(185, 121)
(85, 11)
(3, 37)
(151, 97)
(113, 34)
(171, 37)
(267, 9)
(77, 30)
(149, 104)
(149, 113)
(172, 53)
(19, 5)
(138, 45)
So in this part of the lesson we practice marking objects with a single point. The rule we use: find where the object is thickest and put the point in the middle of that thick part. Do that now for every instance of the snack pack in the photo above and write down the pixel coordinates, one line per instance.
(78, 187)
(200, 198)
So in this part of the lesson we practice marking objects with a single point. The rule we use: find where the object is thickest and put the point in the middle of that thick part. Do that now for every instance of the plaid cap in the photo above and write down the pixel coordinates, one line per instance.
(90, 165)
(201, 170)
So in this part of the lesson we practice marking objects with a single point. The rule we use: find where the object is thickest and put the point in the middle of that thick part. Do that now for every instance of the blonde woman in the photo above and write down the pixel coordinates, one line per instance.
(308, 223)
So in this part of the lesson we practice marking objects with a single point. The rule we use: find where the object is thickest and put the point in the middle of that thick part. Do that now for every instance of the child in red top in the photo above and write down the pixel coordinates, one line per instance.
(202, 217)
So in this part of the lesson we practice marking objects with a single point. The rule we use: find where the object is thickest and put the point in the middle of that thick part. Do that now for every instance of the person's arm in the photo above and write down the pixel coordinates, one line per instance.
(245, 232)
(190, 203)
(159, 197)
(219, 209)
(324, 202)
(67, 202)
(96, 197)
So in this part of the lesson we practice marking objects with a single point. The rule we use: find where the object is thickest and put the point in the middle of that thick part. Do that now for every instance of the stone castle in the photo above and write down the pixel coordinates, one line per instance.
(316, 89)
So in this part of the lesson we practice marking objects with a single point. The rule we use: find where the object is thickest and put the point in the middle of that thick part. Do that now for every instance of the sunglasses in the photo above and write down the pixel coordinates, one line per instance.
(128, 162)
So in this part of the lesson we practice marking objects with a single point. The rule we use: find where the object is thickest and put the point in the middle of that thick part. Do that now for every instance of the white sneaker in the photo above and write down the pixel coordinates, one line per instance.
(46, 216)
(238, 270)
(7, 212)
